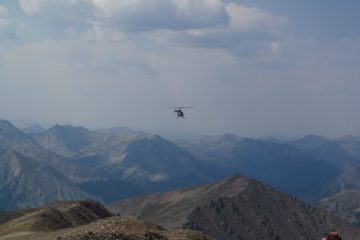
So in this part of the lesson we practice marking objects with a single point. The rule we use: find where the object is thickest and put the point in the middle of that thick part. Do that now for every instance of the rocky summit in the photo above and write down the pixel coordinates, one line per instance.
(236, 208)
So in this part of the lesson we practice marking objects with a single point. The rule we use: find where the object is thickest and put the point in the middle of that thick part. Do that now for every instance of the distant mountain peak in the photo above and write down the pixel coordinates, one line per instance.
(313, 137)
(13, 138)
(230, 137)
(34, 129)
(64, 139)
(349, 138)
(310, 141)
(67, 127)
(126, 130)
(3, 121)
(7, 126)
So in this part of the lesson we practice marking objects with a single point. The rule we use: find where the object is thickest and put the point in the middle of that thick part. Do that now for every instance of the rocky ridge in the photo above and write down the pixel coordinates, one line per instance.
(84, 220)
(236, 208)
(52, 217)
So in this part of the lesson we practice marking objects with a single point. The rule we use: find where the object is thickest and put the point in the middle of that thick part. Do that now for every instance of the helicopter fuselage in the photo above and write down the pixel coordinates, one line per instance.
(179, 113)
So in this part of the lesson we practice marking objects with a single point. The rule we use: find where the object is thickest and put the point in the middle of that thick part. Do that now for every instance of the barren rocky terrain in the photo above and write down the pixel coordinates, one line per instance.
(83, 220)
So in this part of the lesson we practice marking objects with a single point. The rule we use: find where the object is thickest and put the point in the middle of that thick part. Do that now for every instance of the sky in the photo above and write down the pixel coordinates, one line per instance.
(251, 67)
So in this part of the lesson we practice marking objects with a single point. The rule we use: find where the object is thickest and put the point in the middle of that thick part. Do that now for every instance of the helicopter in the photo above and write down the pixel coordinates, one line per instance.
(179, 112)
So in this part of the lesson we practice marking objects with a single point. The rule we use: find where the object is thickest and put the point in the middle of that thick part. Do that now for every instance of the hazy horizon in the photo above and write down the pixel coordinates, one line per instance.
(253, 68)
(172, 134)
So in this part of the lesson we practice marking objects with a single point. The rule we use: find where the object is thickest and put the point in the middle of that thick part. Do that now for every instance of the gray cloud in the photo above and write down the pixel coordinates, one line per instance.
(138, 16)
(106, 78)
(244, 31)
(135, 15)
(250, 32)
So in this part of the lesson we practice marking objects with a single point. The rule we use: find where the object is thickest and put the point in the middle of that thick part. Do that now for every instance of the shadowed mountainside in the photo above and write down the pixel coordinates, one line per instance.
(278, 164)
(342, 196)
(27, 183)
(345, 205)
(120, 153)
(130, 163)
(149, 165)
(32, 176)
(325, 150)
(13, 139)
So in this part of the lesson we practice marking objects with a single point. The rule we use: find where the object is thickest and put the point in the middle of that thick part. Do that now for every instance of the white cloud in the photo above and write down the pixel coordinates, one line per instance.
(250, 32)
(32, 6)
(251, 18)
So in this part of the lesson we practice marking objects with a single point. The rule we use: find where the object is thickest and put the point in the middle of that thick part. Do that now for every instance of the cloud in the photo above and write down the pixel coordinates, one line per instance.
(130, 60)
(3, 17)
(104, 77)
(251, 18)
(250, 32)
(136, 15)
(150, 15)
(8, 28)
(33, 7)
(139, 15)
(3, 11)
(244, 31)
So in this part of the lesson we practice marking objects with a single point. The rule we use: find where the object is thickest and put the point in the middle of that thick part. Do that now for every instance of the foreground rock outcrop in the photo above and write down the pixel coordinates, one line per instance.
(53, 217)
(128, 228)
(83, 220)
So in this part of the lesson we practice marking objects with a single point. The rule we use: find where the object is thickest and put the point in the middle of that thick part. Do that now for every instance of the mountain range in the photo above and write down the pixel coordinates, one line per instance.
(233, 208)
(128, 163)
(118, 163)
